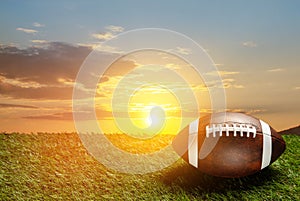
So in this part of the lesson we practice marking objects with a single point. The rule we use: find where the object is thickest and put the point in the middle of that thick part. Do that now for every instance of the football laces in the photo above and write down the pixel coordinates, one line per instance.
(225, 128)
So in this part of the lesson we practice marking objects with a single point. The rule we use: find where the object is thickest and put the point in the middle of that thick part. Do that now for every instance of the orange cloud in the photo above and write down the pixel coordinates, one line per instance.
(223, 73)
(5, 105)
(275, 70)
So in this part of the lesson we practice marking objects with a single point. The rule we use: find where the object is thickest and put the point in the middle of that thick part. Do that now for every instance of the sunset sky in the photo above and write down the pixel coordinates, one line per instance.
(255, 46)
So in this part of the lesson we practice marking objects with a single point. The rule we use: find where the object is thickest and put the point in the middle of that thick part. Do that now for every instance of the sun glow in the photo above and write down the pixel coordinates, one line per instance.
(154, 106)
(160, 90)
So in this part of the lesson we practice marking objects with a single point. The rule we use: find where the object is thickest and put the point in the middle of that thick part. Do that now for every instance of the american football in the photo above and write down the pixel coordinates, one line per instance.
(229, 144)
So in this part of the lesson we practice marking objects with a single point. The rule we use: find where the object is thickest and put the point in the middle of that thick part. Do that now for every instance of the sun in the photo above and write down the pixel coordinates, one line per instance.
(153, 107)
(156, 116)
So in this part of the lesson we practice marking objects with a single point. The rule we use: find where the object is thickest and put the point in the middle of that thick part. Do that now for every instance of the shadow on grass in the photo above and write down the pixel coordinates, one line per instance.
(190, 179)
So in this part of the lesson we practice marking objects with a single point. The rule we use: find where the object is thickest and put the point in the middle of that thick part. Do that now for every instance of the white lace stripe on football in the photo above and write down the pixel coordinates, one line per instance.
(218, 129)
(193, 143)
(267, 144)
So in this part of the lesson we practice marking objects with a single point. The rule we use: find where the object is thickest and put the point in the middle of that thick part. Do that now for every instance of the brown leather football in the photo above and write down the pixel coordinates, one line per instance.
(229, 144)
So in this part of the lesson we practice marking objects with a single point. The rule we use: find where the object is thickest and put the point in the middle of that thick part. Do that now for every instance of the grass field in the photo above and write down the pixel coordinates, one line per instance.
(57, 167)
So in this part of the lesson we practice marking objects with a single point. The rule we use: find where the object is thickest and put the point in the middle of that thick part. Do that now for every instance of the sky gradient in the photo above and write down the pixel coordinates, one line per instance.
(254, 44)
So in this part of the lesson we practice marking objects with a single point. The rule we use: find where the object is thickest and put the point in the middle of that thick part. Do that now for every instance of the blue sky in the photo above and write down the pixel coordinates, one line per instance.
(273, 26)
(212, 22)
(256, 44)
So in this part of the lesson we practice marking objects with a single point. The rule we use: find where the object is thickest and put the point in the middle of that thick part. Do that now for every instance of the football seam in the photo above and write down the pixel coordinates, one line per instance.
(273, 137)
(258, 133)
(236, 128)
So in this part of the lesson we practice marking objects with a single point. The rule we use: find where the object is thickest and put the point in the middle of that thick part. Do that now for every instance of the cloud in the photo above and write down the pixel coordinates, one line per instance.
(225, 73)
(100, 47)
(103, 36)
(42, 65)
(4, 105)
(67, 82)
(226, 81)
(231, 83)
(109, 49)
(36, 24)
(29, 31)
(222, 73)
(183, 51)
(247, 111)
(89, 45)
(55, 116)
(120, 68)
(249, 44)
(200, 87)
(112, 31)
(115, 29)
(20, 82)
(45, 93)
(37, 73)
(173, 66)
(68, 116)
(47, 72)
(276, 70)
(40, 41)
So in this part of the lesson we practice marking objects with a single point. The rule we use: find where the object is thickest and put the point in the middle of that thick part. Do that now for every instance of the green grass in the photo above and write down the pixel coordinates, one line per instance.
(56, 166)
